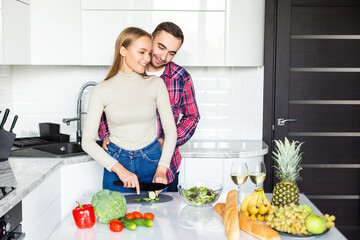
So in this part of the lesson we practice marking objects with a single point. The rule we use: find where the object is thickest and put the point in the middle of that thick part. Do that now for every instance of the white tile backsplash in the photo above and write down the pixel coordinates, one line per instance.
(229, 98)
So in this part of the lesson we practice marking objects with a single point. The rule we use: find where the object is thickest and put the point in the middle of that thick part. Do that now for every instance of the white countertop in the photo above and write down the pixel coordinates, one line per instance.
(173, 220)
(30, 173)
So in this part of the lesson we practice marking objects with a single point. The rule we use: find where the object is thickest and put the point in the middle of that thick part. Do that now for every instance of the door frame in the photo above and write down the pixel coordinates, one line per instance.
(269, 88)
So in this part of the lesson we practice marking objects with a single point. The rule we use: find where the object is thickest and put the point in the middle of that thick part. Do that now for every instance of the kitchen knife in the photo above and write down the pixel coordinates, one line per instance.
(146, 186)
(6, 114)
(13, 123)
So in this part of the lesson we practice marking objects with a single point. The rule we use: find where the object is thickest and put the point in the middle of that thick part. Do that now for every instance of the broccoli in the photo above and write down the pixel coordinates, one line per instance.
(108, 205)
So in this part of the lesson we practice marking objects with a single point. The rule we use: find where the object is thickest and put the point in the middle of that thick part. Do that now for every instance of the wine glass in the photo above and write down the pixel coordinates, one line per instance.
(257, 172)
(239, 175)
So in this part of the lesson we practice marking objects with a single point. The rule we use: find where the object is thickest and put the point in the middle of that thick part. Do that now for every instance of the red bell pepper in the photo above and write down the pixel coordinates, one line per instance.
(84, 216)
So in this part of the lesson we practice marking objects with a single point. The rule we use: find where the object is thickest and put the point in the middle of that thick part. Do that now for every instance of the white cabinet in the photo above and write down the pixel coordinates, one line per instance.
(1, 35)
(217, 32)
(41, 208)
(204, 34)
(154, 5)
(15, 32)
(75, 180)
(56, 32)
(245, 33)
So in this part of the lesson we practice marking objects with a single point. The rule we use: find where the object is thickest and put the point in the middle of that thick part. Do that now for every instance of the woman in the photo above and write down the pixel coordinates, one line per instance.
(130, 99)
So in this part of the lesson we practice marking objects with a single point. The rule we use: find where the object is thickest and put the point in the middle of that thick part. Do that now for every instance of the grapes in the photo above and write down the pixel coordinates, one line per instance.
(291, 219)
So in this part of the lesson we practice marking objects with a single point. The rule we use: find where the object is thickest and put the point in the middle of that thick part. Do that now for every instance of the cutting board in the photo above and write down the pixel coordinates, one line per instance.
(130, 198)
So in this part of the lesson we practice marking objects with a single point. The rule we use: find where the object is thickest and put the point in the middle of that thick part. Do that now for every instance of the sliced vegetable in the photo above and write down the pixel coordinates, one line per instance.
(152, 195)
(130, 216)
(149, 215)
(138, 215)
(128, 223)
(146, 199)
(138, 200)
(143, 222)
(157, 199)
(116, 225)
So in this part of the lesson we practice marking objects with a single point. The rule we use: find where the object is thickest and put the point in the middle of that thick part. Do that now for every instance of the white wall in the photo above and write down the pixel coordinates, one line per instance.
(230, 99)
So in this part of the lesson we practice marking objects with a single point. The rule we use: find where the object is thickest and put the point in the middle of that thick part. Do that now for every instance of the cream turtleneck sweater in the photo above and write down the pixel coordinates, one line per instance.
(130, 103)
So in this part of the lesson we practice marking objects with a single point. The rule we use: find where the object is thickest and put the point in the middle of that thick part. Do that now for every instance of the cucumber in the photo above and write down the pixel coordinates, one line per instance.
(127, 223)
(138, 200)
(143, 222)
(152, 195)
(146, 199)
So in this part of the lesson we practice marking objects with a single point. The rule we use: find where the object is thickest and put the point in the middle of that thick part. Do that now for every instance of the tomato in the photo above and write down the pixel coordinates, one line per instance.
(116, 225)
(149, 215)
(138, 215)
(130, 216)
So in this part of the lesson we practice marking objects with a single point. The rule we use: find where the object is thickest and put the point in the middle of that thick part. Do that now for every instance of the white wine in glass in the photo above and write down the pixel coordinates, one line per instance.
(257, 172)
(239, 175)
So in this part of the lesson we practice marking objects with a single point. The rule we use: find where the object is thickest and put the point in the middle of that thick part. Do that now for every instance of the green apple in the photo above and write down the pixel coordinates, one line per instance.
(315, 224)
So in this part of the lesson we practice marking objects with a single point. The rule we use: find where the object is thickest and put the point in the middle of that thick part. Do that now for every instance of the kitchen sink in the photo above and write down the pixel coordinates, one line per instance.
(61, 148)
(66, 149)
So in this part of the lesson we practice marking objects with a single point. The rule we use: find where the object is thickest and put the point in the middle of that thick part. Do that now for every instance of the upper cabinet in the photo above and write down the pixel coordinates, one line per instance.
(1, 36)
(217, 32)
(83, 32)
(15, 32)
(56, 32)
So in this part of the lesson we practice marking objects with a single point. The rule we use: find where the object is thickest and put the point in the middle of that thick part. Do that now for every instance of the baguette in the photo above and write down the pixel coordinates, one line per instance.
(250, 226)
(231, 218)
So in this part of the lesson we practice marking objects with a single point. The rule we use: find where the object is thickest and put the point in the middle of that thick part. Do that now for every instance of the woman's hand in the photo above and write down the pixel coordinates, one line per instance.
(105, 144)
(161, 141)
(129, 179)
(160, 176)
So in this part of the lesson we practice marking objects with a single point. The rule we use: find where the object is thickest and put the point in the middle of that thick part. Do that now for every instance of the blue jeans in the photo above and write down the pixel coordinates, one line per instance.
(142, 162)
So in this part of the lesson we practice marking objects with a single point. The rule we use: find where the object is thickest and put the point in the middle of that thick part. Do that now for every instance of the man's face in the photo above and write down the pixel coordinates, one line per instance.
(165, 46)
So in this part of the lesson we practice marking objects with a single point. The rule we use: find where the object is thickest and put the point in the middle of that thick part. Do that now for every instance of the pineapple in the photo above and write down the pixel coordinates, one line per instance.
(288, 159)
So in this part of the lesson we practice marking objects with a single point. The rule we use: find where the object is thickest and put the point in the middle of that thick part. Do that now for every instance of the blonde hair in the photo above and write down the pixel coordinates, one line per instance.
(125, 39)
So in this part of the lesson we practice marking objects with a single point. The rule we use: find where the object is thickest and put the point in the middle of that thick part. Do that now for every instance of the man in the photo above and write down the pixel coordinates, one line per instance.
(167, 40)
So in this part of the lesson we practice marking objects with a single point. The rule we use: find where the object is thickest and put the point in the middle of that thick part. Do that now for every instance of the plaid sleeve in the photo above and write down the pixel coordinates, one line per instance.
(188, 122)
(103, 131)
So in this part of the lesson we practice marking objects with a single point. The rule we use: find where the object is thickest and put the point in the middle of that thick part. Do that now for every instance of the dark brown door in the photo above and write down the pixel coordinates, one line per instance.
(317, 89)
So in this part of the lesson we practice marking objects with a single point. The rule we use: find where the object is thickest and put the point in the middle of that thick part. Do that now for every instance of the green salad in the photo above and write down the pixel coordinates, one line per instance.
(199, 196)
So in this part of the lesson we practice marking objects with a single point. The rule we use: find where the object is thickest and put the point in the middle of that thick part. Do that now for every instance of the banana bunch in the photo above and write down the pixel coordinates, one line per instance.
(256, 206)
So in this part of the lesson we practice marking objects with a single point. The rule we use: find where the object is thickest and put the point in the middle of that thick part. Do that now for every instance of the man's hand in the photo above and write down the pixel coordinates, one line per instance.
(160, 177)
(105, 144)
(161, 141)
(129, 179)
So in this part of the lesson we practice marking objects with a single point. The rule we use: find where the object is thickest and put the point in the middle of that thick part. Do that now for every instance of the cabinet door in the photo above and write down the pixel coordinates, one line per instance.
(1, 37)
(204, 34)
(56, 32)
(203, 169)
(16, 32)
(41, 208)
(154, 5)
(245, 33)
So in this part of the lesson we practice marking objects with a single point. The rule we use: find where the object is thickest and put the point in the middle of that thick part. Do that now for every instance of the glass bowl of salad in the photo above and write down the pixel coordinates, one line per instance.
(201, 193)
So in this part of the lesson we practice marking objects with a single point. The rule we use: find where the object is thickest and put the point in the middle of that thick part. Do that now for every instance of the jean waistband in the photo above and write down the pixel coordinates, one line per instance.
(132, 152)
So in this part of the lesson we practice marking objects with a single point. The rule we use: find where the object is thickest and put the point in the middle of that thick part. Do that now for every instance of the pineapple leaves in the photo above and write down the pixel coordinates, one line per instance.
(288, 158)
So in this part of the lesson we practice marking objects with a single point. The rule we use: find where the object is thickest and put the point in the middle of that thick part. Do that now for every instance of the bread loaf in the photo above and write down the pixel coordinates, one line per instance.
(231, 218)
(250, 226)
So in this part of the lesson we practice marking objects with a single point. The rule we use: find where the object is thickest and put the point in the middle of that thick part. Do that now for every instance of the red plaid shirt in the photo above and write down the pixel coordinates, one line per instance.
(182, 99)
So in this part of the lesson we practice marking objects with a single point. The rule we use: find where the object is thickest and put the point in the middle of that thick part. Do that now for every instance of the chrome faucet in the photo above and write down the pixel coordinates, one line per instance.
(79, 112)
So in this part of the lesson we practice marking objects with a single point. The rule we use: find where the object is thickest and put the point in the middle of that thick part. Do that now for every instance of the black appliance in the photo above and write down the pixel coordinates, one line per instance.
(10, 224)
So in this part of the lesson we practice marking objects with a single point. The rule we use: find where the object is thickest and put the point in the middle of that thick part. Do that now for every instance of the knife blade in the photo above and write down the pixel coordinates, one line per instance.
(13, 123)
(6, 114)
(146, 186)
